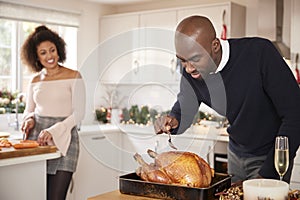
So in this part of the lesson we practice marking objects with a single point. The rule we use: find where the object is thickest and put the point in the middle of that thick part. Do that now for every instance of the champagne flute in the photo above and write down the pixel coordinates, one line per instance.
(281, 158)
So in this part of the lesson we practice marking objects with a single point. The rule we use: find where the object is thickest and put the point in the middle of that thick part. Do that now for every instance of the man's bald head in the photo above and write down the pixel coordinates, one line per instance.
(197, 46)
(198, 27)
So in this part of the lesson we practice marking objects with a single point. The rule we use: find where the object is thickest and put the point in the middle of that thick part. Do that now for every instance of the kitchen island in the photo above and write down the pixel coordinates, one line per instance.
(116, 195)
(24, 176)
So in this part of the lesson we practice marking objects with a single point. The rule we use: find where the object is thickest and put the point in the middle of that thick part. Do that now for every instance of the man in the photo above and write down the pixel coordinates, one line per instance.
(245, 80)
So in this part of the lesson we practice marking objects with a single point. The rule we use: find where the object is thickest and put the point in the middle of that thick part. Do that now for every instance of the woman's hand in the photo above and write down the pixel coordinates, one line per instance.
(44, 138)
(27, 125)
(164, 124)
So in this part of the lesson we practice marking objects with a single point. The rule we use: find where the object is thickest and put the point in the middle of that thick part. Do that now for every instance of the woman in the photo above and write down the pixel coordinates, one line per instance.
(55, 105)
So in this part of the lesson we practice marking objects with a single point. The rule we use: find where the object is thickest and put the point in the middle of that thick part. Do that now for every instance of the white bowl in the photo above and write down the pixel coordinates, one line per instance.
(265, 189)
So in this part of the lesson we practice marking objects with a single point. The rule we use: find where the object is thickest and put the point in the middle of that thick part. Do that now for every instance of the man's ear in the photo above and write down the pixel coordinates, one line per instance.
(216, 45)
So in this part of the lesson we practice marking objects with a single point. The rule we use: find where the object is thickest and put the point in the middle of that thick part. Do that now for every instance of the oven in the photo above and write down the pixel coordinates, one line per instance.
(220, 157)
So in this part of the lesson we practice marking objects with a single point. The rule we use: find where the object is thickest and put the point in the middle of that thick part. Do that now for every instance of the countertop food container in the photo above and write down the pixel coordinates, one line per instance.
(265, 189)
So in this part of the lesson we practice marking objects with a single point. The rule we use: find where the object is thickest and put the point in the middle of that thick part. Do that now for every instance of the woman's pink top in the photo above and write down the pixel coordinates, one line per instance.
(58, 98)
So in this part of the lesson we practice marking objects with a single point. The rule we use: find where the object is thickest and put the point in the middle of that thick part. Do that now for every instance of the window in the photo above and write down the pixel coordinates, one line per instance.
(15, 25)
(13, 75)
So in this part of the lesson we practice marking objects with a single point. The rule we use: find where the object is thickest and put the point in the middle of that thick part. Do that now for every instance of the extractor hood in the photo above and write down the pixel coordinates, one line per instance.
(283, 49)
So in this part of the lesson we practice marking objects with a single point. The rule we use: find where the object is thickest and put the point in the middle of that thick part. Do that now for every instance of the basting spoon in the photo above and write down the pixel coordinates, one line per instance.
(170, 141)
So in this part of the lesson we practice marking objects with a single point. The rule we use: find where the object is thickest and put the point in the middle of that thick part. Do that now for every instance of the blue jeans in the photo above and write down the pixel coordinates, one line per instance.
(244, 168)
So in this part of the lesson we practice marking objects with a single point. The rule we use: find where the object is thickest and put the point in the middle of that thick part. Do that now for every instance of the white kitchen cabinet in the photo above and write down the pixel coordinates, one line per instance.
(98, 164)
(19, 175)
(120, 40)
(165, 19)
(151, 55)
(158, 54)
(147, 40)
(295, 30)
(112, 25)
(235, 17)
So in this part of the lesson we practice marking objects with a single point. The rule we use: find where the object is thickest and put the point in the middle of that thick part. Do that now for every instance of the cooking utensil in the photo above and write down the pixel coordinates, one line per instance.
(296, 68)
(24, 135)
(170, 141)
(132, 184)
(168, 128)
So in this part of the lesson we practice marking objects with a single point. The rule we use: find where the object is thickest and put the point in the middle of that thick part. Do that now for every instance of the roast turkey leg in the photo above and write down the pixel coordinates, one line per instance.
(150, 172)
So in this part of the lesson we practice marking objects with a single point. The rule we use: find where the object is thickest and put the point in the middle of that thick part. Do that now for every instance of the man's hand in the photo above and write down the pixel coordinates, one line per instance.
(165, 123)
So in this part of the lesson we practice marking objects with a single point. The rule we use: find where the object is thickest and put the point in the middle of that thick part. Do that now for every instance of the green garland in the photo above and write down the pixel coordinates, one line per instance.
(8, 102)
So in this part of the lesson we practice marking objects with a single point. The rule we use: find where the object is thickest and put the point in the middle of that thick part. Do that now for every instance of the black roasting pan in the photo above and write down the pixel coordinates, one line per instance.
(133, 185)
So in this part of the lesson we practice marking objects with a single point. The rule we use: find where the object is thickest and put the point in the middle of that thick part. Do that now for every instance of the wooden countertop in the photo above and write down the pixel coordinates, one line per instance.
(116, 195)
(11, 152)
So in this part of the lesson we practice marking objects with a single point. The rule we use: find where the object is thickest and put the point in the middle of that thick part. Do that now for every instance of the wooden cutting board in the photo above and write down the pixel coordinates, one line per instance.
(13, 153)
(4, 134)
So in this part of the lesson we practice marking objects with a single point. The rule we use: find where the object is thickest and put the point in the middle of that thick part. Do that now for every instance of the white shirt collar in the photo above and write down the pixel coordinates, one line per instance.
(225, 54)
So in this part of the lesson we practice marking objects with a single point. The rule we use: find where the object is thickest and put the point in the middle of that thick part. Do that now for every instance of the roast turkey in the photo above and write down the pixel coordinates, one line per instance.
(175, 167)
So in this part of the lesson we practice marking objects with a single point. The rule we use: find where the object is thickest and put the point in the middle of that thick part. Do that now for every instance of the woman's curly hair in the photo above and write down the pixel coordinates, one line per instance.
(29, 49)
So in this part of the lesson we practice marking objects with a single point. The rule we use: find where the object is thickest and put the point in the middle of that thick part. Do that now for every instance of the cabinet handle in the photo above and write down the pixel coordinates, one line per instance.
(173, 65)
(98, 138)
(136, 66)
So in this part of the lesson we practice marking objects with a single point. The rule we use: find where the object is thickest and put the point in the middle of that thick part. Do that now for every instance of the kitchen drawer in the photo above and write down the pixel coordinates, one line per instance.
(296, 173)
(295, 186)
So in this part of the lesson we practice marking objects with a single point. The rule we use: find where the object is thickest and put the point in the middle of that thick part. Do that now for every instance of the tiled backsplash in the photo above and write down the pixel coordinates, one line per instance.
(154, 95)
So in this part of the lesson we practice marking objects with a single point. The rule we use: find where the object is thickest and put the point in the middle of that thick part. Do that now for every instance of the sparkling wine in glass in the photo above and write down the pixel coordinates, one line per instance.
(281, 158)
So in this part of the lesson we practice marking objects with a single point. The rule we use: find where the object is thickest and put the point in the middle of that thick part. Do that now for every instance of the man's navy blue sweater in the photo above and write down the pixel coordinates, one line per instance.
(258, 94)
